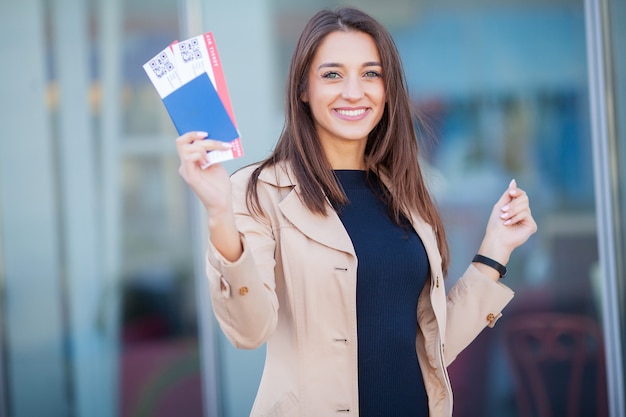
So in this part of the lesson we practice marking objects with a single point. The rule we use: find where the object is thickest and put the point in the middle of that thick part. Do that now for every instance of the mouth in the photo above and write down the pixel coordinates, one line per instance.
(351, 113)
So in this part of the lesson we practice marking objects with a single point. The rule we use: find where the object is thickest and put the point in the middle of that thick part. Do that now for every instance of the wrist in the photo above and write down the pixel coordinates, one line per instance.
(480, 260)
(219, 220)
(224, 236)
(218, 214)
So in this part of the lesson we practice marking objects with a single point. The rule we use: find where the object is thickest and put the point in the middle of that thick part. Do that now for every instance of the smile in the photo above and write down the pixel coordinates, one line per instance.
(351, 113)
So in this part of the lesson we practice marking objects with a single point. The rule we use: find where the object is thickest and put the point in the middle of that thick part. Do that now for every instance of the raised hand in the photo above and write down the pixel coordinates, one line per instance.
(212, 186)
(510, 225)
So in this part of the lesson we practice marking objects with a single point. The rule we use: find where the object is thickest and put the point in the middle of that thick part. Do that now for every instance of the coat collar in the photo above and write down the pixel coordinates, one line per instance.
(326, 230)
(279, 175)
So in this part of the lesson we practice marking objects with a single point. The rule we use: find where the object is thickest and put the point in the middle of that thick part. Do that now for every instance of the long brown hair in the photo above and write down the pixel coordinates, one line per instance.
(391, 148)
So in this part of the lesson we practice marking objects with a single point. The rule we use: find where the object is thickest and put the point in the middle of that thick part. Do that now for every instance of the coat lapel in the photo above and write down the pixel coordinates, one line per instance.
(327, 230)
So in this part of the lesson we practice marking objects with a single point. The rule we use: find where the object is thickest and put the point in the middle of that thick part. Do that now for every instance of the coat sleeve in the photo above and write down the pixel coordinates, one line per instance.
(243, 292)
(473, 303)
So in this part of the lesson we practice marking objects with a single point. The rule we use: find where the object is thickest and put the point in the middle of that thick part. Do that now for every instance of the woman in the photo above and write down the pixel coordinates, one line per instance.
(332, 252)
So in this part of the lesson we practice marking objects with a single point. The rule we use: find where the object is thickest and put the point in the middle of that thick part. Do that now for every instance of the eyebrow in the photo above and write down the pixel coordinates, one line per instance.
(338, 65)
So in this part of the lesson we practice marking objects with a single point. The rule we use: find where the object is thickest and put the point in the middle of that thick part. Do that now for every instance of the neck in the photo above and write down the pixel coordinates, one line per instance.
(349, 157)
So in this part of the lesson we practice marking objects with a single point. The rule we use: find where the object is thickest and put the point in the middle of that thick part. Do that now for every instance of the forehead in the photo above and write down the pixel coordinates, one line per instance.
(346, 47)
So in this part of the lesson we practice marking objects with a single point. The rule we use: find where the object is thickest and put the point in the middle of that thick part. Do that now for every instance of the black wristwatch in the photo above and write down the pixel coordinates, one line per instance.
(490, 262)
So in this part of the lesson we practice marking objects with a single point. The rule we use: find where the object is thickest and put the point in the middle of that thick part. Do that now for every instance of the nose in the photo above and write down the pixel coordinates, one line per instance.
(352, 89)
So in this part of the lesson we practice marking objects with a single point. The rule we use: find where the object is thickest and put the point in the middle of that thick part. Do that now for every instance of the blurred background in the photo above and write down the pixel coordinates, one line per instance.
(103, 304)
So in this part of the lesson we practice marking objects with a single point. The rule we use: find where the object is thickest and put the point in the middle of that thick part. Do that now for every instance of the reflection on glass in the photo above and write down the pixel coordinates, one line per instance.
(617, 15)
(159, 352)
(160, 365)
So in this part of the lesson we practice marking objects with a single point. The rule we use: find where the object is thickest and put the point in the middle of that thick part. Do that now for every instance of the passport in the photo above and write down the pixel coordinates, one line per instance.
(189, 78)
(196, 106)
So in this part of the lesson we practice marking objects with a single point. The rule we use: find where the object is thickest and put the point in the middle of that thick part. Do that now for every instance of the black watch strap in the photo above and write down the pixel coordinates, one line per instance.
(490, 262)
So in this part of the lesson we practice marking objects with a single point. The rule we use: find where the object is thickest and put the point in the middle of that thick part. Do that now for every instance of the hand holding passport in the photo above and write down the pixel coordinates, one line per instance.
(188, 77)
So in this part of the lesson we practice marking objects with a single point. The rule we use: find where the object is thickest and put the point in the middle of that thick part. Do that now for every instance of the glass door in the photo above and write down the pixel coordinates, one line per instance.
(99, 312)
(607, 64)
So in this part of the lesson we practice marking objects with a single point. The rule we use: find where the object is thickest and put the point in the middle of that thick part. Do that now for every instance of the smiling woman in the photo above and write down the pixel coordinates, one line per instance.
(332, 251)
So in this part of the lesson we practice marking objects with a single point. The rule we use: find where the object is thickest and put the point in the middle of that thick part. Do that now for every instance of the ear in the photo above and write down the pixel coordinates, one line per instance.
(304, 96)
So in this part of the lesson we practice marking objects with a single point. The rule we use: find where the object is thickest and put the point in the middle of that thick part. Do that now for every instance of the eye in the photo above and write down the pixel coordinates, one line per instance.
(372, 74)
(330, 75)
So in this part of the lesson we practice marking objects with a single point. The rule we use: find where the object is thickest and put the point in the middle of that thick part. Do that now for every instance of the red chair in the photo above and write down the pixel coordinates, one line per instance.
(558, 365)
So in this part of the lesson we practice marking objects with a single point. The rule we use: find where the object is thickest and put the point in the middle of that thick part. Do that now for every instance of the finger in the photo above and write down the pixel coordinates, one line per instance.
(513, 192)
(216, 145)
(516, 203)
(508, 195)
(518, 218)
(192, 152)
(195, 156)
(190, 137)
(190, 166)
(511, 211)
(516, 192)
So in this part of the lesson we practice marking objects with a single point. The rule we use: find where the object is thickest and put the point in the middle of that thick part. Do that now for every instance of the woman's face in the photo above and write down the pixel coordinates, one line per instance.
(345, 92)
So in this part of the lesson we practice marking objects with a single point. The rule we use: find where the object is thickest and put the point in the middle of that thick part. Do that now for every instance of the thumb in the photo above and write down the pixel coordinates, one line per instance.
(509, 194)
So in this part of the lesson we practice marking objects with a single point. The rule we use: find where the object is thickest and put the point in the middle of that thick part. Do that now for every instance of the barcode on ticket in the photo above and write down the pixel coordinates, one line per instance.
(190, 50)
(161, 65)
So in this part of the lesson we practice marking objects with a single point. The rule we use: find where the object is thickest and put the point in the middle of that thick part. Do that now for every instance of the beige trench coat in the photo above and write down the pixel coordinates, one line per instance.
(294, 288)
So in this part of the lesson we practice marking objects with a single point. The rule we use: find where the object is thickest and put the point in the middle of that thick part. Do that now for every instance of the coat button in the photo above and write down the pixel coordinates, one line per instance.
(490, 317)
(243, 290)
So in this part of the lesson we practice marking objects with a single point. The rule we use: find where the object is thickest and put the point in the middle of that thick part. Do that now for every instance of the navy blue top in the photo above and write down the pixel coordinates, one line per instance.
(392, 270)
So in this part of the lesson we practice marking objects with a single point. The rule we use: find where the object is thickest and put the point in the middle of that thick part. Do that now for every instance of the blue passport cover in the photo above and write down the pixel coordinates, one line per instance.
(196, 106)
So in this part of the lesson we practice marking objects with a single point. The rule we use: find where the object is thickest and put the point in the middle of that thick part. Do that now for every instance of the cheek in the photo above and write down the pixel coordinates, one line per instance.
(382, 95)
(319, 98)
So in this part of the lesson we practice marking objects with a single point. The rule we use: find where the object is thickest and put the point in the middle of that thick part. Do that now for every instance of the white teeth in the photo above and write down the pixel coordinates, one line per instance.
(351, 113)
